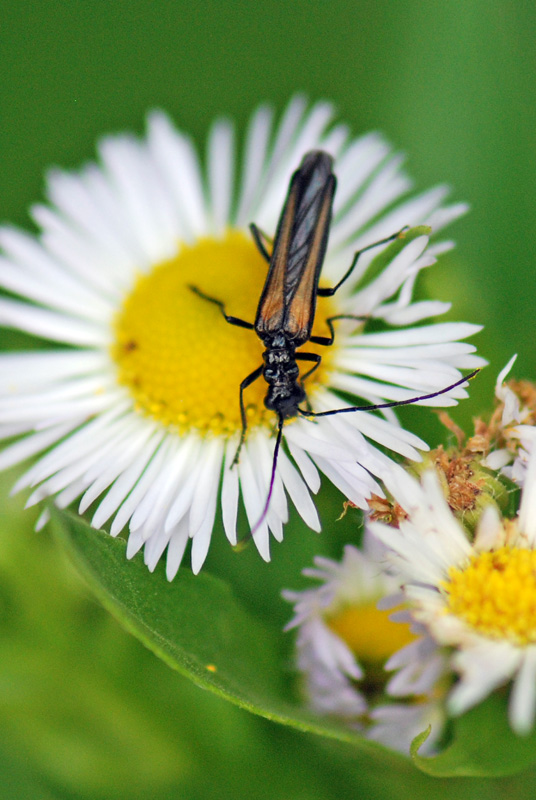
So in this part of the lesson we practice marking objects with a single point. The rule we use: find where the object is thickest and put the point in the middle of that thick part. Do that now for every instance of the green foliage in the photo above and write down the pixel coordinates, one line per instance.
(483, 744)
(198, 627)
(195, 625)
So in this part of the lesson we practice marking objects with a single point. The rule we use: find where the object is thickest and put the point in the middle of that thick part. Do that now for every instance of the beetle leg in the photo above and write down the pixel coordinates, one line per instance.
(309, 357)
(260, 238)
(329, 292)
(327, 341)
(231, 320)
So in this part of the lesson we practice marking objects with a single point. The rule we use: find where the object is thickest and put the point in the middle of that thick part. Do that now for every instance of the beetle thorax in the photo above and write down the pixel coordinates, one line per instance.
(281, 373)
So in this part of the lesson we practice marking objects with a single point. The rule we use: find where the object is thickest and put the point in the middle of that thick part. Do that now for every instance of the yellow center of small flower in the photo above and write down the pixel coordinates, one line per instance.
(180, 359)
(369, 633)
(496, 594)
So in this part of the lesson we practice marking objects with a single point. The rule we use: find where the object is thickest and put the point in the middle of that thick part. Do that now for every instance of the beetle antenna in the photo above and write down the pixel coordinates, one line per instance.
(262, 517)
(239, 546)
(392, 404)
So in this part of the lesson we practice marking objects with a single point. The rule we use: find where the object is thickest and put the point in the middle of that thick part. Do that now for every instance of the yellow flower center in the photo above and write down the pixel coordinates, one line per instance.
(369, 633)
(496, 594)
(181, 361)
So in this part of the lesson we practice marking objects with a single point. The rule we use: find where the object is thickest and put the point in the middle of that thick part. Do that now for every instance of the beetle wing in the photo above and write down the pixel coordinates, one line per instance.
(306, 257)
(288, 298)
(271, 309)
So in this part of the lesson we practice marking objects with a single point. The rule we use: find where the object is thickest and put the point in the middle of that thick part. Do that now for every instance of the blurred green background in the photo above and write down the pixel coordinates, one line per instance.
(85, 711)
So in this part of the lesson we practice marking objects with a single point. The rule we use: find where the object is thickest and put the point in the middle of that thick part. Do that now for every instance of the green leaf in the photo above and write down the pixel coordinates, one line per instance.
(197, 626)
(483, 745)
(19, 781)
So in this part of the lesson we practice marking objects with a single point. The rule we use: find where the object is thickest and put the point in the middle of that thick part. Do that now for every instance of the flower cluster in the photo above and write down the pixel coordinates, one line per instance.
(510, 433)
(464, 567)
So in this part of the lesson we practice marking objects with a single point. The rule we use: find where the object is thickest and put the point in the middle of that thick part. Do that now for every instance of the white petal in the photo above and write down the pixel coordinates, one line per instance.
(522, 705)
(87, 206)
(186, 489)
(88, 265)
(484, 668)
(201, 539)
(151, 476)
(220, 174)
(527, 508)
(81, 303)
(298, 492)
(153, 508)
(21, 372)
(426, 334)
(176, 548)
(177, 160)
(355, 166)
(230, 492)
(33, 444)
(116, 463)
(441, 217)
(488, 530)
(305, 465)
(137, 192)
(50, 325)
(346, 483)
(125, 482)
(387, 185)
(253, 165)
(253, 502)
(207, 486)
(154, 547)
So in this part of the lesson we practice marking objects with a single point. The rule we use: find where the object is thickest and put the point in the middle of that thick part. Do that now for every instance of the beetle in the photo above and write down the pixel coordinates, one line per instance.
(287, 305)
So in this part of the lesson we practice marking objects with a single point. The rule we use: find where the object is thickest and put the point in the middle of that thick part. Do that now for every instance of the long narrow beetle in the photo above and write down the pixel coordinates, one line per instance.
(287, 305)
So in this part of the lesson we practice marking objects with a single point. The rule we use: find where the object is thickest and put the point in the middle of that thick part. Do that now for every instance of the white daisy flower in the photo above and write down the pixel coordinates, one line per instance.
(477, 599)
(134, 407)
(515, 430)
(345, 642)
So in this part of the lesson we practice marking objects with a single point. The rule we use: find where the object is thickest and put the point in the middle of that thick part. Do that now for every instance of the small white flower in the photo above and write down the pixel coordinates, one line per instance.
(134, 408)
(345, 641)
(517, 471)
(477, 599)
(515, 428)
